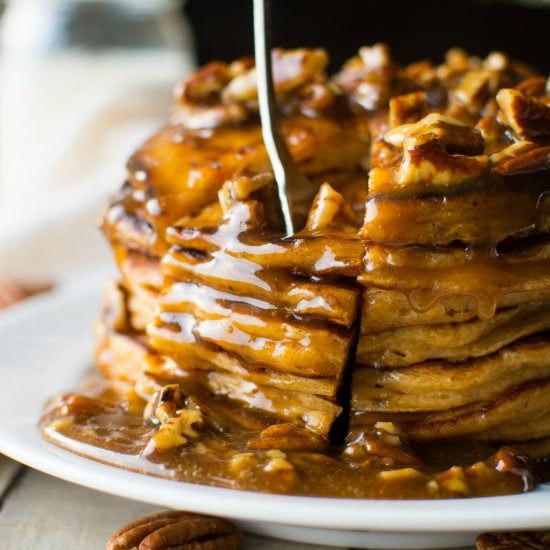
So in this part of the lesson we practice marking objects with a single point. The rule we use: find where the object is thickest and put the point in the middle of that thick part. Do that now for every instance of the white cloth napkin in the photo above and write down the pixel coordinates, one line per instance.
(49, 213)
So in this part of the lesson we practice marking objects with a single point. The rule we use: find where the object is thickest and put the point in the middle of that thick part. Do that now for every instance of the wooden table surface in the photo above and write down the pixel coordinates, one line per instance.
(39, 512)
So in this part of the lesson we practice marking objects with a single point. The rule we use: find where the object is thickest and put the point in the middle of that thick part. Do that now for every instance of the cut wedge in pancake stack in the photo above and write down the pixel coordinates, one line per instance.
(455, 337)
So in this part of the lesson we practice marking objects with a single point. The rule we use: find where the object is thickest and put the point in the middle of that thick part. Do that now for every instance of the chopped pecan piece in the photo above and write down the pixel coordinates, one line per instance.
(454, 481)
(204, 84)
(240, 66)
(316, 97)
(437, 150)
(524, 540)
(476, 88)
(493, 134)
(241, 188)
(370, 77)
(515, 463)
(408, 108)
(164, 404)
(177, 424)
(278, 462)
(329, 208)
(211, 116)
(422, 72)
(176, 431)
(291, 70)
(496, 61)
(288, 437)
(239, 210)
(383, 445)
(457, 62)
(528, 117)
(242, 462)
(402, 475)
(175, 529)
(534, 86)
(454, 136)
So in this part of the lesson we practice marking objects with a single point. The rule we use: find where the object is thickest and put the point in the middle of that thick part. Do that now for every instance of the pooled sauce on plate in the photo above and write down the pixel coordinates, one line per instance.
(225, 448)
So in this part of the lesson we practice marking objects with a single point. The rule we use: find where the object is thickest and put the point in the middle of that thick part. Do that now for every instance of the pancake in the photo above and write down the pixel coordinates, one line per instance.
(439, 385)
(433, 188)
(469, 216)
(487, 273)
(214, 291)
(384, 310)
(453, 341)
(520, 413)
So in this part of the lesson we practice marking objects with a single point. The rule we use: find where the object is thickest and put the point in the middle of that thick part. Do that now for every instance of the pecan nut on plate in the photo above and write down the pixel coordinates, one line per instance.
(176, 530)
(523, 540)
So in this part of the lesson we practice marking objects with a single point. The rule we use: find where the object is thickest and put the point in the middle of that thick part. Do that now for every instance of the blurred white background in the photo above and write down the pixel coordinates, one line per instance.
(82, 85)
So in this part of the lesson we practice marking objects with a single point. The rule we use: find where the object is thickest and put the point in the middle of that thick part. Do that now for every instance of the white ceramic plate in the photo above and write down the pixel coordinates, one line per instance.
(45, 347)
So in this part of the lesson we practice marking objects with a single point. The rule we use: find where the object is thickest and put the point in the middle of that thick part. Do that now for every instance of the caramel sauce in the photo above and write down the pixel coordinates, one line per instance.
(472, 214)
(485, 273)
(177, 173)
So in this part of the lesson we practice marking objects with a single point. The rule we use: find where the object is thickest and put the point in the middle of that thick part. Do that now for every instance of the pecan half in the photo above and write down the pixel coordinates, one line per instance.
(535, 540)
(72, 404)
(408, 108)
(527, 116)
(287, 437)
(521, 158)
(176, 530)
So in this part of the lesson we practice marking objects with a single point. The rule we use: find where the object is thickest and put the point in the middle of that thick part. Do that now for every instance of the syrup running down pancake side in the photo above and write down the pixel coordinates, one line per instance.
(397, 346)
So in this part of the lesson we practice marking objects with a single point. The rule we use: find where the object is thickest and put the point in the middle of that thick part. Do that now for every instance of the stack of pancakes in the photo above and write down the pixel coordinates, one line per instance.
(427, 278)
